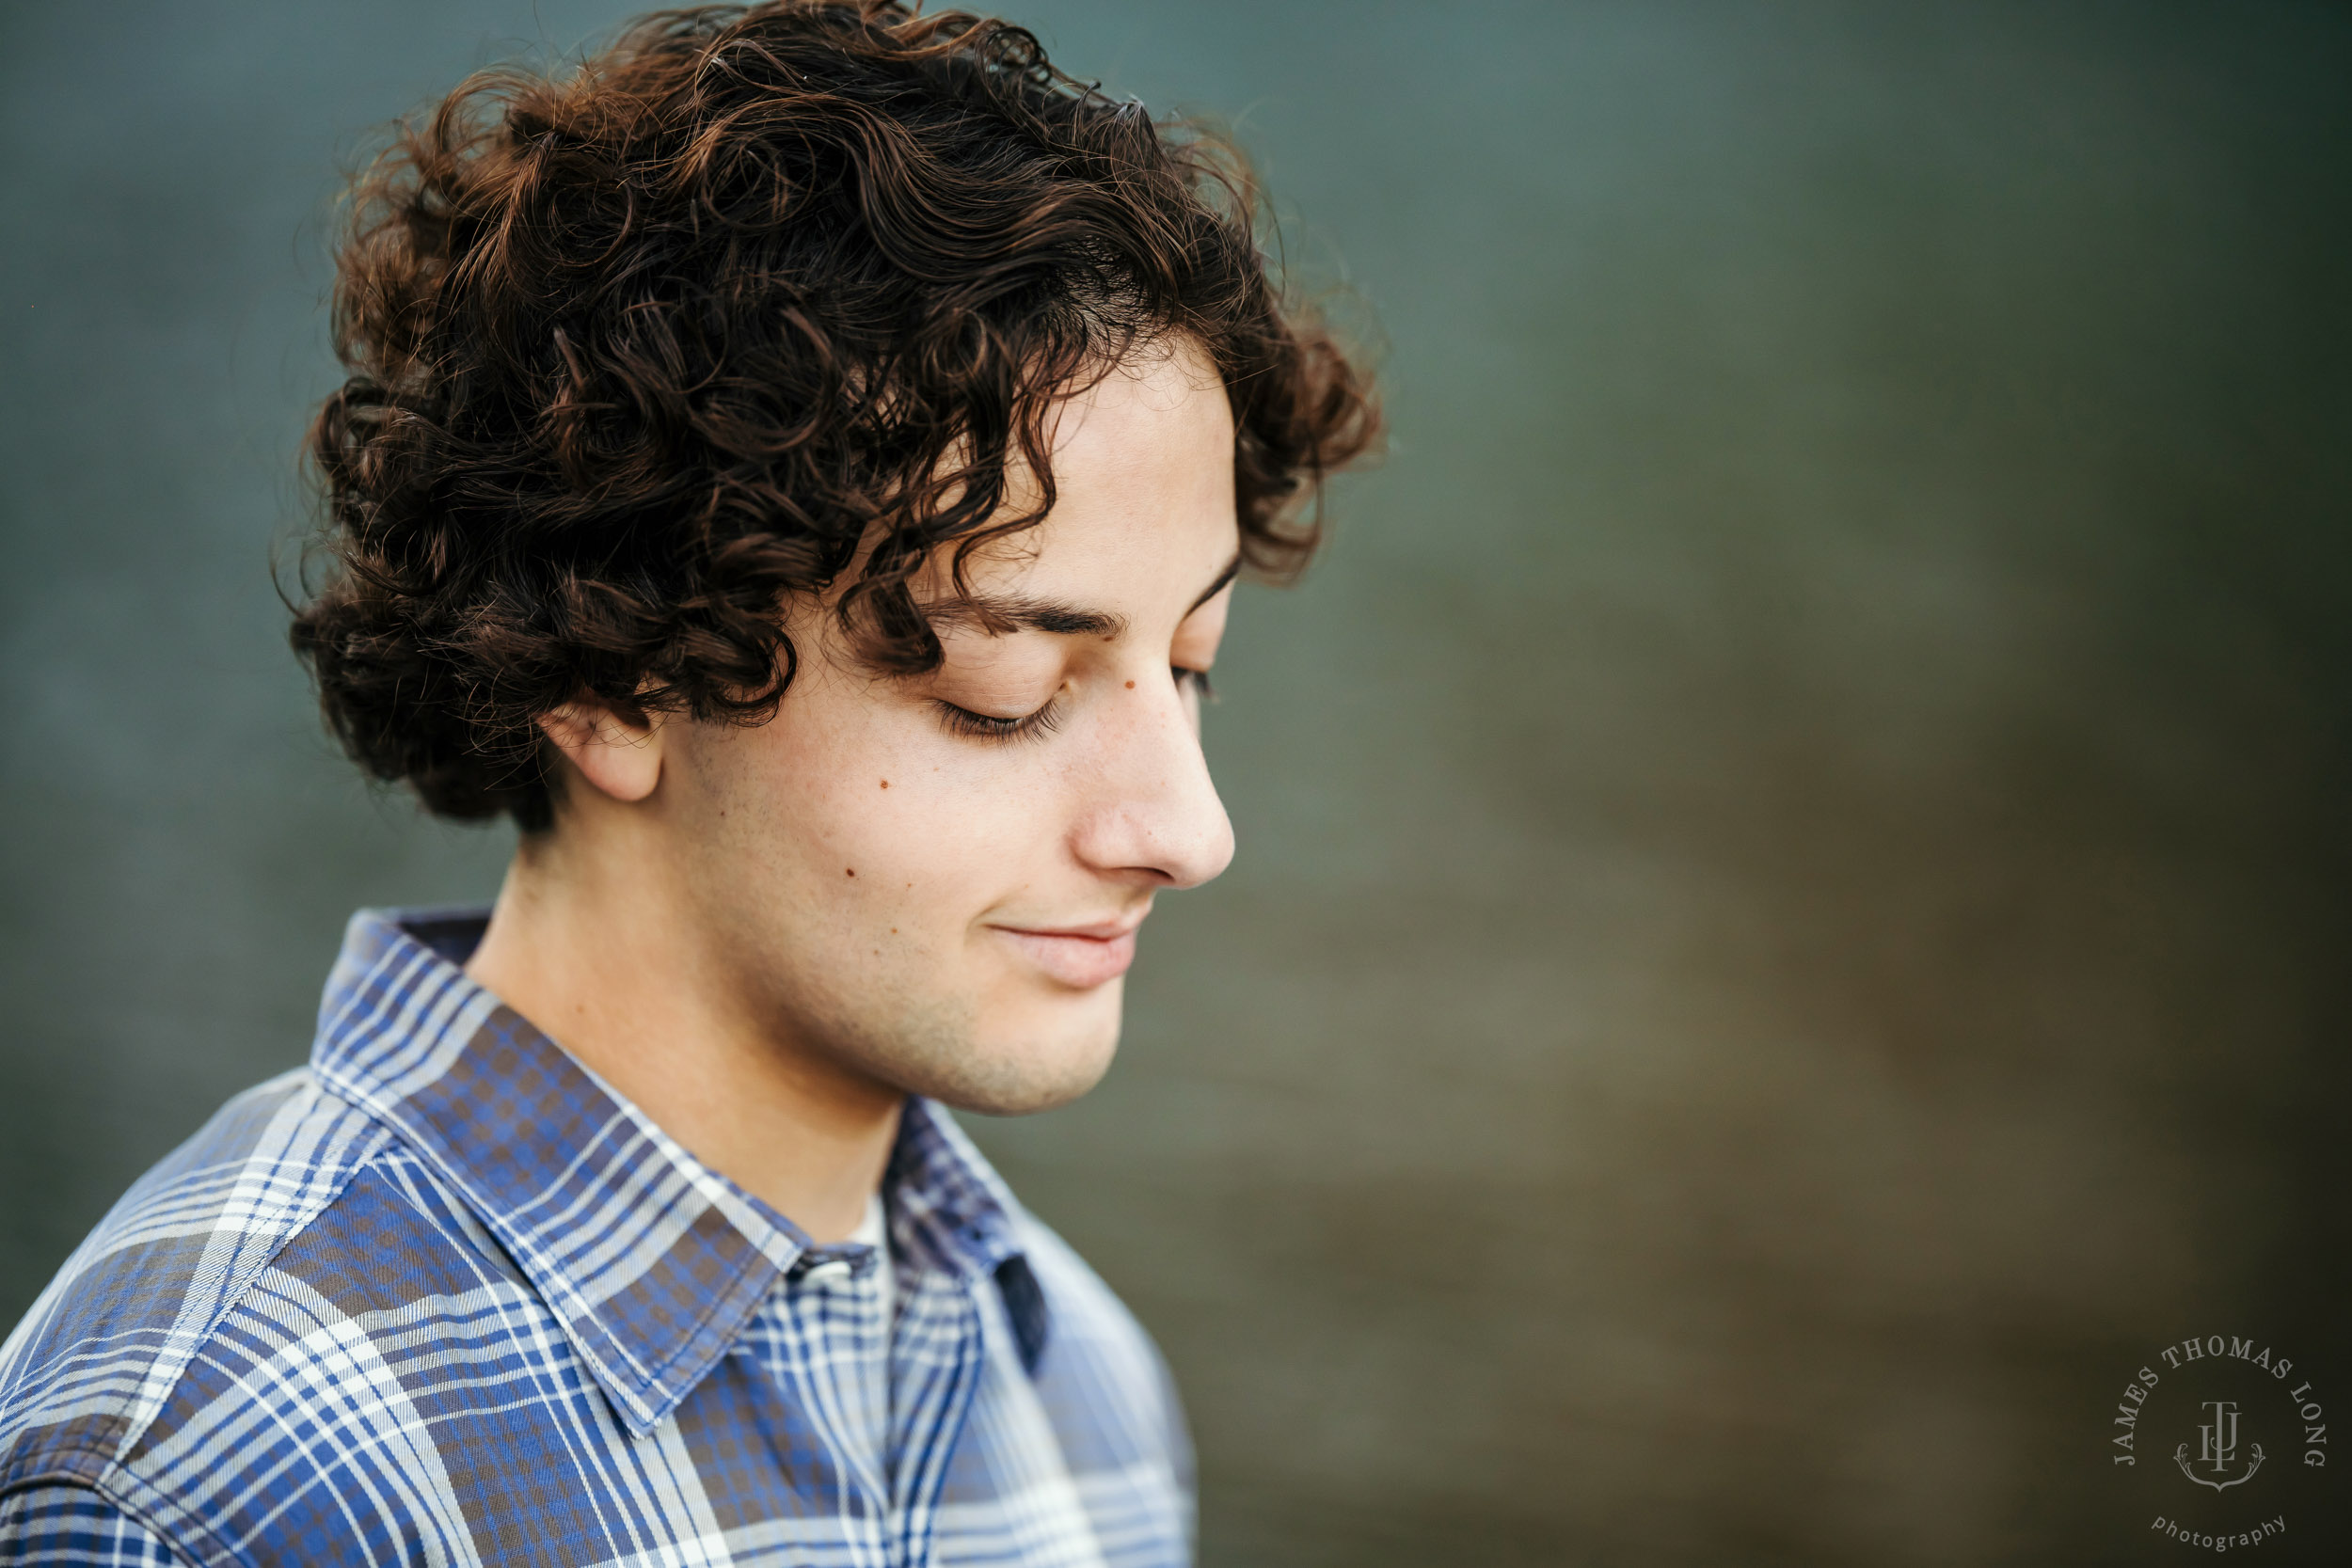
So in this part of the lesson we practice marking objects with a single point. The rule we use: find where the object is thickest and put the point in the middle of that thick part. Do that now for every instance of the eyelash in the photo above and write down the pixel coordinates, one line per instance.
(986, 726)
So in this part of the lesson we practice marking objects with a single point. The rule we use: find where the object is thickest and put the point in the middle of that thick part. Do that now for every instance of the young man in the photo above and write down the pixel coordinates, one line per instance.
(796, 465)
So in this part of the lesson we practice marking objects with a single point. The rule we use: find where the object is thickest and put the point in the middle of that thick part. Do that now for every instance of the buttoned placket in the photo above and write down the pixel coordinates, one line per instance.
(889, 1400)
(936, 1357)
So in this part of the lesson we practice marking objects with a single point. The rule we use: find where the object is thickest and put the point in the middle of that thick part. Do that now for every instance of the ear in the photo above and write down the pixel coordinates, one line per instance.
(619, 756)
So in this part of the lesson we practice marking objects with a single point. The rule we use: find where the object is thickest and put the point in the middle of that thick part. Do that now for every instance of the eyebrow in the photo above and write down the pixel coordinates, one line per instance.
(998, 613)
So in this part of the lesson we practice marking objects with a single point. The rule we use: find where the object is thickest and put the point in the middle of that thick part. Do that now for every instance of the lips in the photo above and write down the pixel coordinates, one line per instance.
(1079, 957)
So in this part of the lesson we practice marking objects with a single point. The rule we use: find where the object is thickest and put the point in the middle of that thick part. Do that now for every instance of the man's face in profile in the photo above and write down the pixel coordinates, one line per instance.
(937, 880)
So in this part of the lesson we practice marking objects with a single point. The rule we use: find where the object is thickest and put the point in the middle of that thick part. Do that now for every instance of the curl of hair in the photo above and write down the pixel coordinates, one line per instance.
(637, 353)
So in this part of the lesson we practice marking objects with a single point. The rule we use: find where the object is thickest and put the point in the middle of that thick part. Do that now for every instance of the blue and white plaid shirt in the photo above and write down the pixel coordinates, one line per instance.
(442, 1297)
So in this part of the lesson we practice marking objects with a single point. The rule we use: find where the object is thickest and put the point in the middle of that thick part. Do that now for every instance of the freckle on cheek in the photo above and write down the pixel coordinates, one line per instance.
(886, 782)
(1131, 686)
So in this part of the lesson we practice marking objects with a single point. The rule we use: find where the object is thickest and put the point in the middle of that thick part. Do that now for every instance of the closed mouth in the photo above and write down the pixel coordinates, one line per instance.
(1109, 930)
(1078, 957)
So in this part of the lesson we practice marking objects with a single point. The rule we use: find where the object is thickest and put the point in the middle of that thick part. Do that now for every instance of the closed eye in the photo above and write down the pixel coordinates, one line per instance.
(989, 726)
(1197, 679)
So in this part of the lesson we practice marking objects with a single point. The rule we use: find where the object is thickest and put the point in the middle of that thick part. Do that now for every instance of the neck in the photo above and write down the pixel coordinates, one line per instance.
(597, 953)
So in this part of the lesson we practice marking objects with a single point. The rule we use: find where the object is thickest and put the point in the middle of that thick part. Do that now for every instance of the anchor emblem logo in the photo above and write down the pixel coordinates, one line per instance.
(2220, 1446)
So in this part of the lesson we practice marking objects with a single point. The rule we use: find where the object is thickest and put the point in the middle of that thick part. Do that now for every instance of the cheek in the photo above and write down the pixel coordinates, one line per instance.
(868, 824)
(946, 844)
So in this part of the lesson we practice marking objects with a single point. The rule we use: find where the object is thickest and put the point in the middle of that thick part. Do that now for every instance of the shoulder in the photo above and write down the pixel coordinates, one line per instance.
(143, 1290)
(266, 1270)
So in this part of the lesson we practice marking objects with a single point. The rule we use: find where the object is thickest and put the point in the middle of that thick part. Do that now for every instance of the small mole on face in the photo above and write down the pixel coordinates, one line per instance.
(1131, 686)
(886, 784)
(846, 872)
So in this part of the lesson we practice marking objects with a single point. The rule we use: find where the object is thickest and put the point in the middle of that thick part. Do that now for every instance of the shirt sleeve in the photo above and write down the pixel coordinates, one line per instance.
(73, 1526)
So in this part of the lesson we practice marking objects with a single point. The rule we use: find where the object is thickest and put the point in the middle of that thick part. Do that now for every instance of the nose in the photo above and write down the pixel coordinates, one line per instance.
(1152, 812)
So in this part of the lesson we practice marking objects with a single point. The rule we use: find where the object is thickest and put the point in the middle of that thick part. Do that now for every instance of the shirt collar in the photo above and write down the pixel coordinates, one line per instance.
(653, 1261)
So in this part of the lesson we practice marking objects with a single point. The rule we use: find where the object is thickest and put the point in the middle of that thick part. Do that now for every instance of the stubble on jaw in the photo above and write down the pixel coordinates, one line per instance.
(935, 1046)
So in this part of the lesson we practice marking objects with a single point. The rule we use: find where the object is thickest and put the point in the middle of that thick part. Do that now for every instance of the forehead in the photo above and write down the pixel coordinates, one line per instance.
(1160, 410)
(1143, 479)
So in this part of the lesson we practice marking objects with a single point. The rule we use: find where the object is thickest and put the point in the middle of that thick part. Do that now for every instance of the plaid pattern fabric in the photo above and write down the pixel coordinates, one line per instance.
(442, 1297)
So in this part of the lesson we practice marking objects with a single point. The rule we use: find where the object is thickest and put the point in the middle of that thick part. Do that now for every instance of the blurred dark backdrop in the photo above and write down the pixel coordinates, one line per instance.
(1791, 920)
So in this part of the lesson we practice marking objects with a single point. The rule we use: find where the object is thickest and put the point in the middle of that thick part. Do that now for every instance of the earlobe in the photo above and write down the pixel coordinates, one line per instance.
(618, 757)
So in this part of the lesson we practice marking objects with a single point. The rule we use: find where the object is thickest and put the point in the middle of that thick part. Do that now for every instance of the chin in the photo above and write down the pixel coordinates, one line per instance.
(1031, 1064)
(1015, 1058)
(1019, 1081)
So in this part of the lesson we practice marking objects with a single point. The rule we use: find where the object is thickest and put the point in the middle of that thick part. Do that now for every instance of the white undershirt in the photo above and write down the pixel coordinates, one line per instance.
(874, 1231)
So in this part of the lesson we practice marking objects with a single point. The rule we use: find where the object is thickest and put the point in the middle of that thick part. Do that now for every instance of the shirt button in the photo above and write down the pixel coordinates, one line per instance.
(828, 1271)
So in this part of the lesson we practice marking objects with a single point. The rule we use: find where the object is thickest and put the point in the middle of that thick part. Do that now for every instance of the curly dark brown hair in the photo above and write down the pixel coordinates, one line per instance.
(636, 353)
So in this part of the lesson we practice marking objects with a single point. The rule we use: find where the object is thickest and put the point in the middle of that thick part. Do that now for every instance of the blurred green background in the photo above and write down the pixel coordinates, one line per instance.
(1791, 920)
